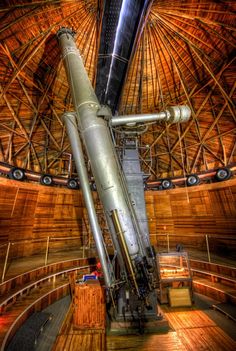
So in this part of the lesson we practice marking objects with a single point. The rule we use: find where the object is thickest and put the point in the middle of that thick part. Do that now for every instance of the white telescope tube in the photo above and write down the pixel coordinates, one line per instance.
(72, 132)
(95, 134)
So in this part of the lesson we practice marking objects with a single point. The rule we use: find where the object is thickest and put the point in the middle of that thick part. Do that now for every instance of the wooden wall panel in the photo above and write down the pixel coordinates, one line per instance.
(189, 214)
(150, 201)
(179, 205)
(162, 206)
(45, 204)
(30, 211)
(222, 202)
(7, 200)
(78, 204)
(164, 225)
(33, 211)
(64, 207)
(25, 203)
(200, 203)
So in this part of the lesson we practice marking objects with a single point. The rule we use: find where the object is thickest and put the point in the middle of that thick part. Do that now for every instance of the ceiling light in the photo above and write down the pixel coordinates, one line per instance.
(17, 173)
(46, 180)
(166, 184)
(222, 174)
(72, 184)
(192, 179)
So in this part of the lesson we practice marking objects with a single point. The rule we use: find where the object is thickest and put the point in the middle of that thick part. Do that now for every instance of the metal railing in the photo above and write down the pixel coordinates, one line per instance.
(45, 253)
(210, 248)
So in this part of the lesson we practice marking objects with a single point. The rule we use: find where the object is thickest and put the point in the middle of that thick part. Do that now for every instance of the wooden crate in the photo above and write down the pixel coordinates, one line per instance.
(89, 305)
(179, 297)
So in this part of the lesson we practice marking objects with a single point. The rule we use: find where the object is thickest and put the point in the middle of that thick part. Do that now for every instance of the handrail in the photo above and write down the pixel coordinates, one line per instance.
(49, 266)
(47, 240)
(48, 277)
(36, 282)
(79, 237)
(212, 264)
(40, 239)
(5, 340)
(41, 267)
(196, 236)
(213, 274)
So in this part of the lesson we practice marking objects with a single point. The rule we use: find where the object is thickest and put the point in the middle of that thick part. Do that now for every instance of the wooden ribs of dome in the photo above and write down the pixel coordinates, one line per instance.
(186, 55)
(165, 72)
(35, 91)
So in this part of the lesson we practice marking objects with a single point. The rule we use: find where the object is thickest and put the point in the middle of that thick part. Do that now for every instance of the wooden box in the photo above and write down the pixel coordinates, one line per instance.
(89, 305)
(179, 297)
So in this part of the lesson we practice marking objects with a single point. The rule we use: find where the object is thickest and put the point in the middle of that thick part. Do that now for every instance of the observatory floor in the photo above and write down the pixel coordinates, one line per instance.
(193, 328)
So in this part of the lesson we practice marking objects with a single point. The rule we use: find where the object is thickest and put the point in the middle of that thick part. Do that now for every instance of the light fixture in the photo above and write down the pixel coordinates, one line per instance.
(46, 180)
(72, 184)
(222, 174)
(17, 173)
(192, 179)
(93, 186)
(166, 184)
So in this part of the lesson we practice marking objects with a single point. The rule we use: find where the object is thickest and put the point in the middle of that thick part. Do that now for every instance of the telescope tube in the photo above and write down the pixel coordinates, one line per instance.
(96, 137)
(72, 132)
(173, 114)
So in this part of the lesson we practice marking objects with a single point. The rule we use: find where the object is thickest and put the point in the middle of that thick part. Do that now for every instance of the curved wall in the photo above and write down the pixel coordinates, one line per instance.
(189, 214)
(33, 211)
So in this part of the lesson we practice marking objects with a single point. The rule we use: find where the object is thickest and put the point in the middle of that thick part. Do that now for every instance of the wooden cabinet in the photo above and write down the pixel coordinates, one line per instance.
(89, 305)
(174, 273)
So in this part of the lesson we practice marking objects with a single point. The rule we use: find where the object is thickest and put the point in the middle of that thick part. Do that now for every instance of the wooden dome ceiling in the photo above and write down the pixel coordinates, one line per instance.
(185, 55)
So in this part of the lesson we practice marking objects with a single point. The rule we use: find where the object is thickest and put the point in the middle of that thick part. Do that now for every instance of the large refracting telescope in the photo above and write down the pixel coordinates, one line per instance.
(91, 124)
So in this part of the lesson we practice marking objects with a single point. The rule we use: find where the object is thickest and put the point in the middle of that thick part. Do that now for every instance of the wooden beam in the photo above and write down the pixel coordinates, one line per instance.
(184, 14)
(221, 113)
(15, 117)
(213, 153)
(214, 78)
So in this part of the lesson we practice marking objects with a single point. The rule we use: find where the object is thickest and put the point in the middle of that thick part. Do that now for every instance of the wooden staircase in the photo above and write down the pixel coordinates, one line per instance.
(30, 292)
(22, 296)
(215, 281)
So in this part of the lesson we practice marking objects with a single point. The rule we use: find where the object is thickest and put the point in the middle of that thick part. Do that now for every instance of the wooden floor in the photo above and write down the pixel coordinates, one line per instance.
(72, 338)
(196, 340)
(190, 330)
(150, 342)
(197, 331)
